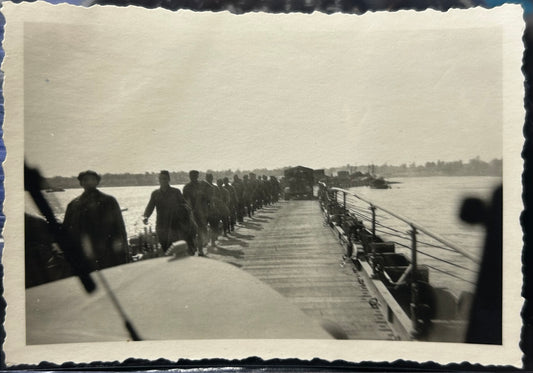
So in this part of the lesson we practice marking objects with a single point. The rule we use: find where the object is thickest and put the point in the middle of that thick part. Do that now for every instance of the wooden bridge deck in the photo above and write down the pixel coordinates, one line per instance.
(288, 247)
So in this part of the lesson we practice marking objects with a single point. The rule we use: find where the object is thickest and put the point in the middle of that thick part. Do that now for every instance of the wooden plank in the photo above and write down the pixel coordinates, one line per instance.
(289, 247)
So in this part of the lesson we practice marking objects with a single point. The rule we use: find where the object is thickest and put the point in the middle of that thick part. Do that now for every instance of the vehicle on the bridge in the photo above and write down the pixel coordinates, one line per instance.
(299, 183)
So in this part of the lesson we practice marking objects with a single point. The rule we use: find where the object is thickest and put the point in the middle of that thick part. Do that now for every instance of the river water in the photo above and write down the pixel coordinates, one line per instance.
(432, 202)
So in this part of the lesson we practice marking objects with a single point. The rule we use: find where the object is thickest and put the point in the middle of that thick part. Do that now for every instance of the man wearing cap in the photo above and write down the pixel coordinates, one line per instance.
(239, 191)
(248, 196)
(256, 193)
(171, 213)
(276, 190)
(267, 190)
(215, 211)
(233, 203)
(224, 206)
(94, 219)
(196, 195)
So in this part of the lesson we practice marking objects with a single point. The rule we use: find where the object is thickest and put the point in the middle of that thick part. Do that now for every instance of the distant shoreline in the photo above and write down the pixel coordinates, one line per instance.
(391, 180)
(474, 167)
(403, 176)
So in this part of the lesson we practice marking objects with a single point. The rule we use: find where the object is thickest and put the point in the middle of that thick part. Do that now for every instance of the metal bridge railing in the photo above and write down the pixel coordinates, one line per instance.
(417, 239)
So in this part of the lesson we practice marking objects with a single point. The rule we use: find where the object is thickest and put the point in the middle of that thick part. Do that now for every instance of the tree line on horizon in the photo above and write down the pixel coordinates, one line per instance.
(474, 167)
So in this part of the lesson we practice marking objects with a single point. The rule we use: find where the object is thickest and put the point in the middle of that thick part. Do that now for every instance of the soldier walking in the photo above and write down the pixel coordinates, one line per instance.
(239, 191)
(196, 194)
(171, 214)
(232, 205)
(95, 222)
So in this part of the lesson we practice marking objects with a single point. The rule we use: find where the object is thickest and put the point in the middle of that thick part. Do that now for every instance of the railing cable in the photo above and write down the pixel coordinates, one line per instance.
(367, 218)
(450, 274)
(392, 229)
(402, 245)
(393, 235)
(436, 258)
(445, 261)
(437, 246)
(420, 242)
(415, 225)
(360, 213)
(362, 210)
(400, 232)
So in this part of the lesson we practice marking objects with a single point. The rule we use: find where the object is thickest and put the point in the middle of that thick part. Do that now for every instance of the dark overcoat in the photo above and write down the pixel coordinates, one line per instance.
(94, 221)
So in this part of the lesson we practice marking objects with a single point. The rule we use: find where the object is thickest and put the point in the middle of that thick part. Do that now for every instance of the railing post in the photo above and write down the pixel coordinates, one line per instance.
(373, 208)
(344, 200)
(414, 284)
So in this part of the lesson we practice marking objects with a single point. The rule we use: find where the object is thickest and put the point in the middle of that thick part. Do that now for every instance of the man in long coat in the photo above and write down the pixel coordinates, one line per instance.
(95, 221)
(276, 190)
(239, 191)
(171, 213)
(197, 196)
(257, 192)
(216, 209)
(247, 197)
(233, 203)
(224, 208)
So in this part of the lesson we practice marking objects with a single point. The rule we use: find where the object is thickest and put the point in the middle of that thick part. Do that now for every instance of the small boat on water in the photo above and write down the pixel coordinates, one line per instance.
(379, 183)
(346, 180)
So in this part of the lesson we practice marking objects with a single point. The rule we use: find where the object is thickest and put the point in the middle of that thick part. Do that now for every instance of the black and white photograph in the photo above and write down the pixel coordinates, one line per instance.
(203, 184)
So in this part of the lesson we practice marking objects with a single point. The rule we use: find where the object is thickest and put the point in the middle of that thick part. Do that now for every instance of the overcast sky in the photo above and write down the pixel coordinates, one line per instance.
(166, 94)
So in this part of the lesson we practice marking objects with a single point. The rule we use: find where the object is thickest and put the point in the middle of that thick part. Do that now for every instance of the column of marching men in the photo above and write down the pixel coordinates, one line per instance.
(93, 221)
(207, 208)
